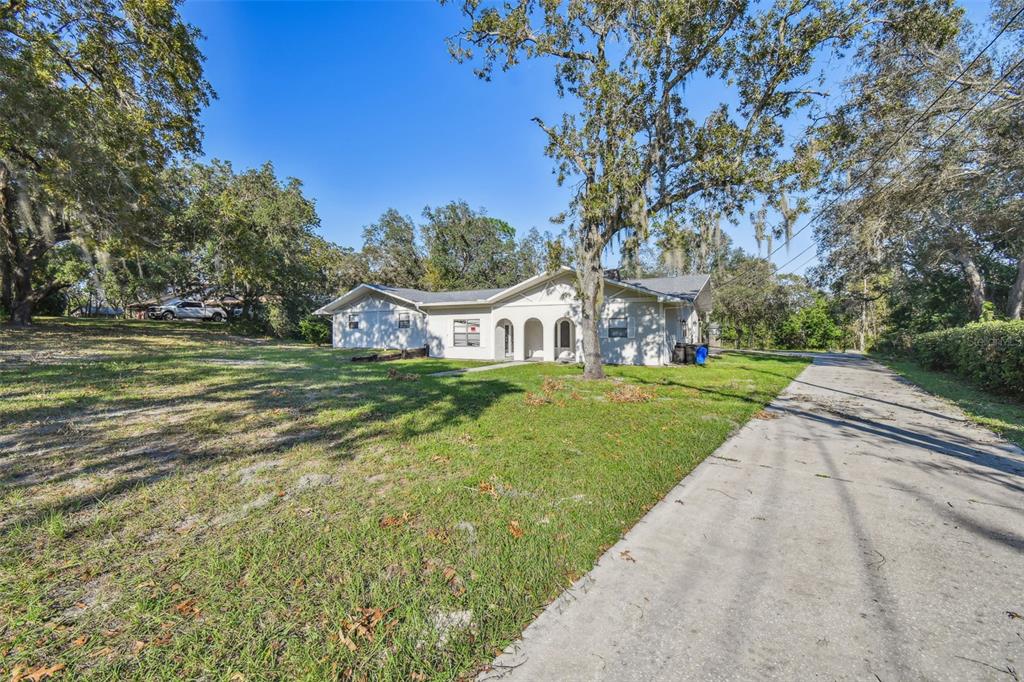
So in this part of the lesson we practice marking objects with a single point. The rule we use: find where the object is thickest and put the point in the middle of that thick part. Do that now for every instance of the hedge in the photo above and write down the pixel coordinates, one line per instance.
(991, 354)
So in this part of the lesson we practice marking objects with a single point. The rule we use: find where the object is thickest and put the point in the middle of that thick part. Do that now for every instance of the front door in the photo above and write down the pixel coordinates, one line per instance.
(509, 346)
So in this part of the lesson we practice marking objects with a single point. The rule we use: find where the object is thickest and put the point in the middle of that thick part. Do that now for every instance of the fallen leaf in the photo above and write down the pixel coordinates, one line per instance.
(487, 487)
(160, 640)
(394, 521)
(627, 556)
(513, 527)
(137, 646)
(352, 646)
(36, 674)
(188, 608)
(1013, 614)
(417, 677)
(79, 641)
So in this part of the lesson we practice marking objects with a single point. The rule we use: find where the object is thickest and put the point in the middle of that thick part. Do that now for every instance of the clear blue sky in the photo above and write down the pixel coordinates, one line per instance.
(361, 101)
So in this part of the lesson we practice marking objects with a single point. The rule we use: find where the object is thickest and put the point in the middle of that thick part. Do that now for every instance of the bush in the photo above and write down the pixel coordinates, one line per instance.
(990, 354)
(244, 326)
(315, 329)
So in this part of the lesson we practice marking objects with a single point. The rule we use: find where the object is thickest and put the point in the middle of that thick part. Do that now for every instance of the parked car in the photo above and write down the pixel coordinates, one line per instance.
(187, 310)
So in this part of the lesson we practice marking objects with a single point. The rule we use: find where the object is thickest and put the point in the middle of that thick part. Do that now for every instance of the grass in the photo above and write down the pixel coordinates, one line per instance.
(178, 503)
(1001, 414)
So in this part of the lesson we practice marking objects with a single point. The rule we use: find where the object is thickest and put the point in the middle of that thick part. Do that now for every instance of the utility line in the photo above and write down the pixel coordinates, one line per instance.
(821, 211)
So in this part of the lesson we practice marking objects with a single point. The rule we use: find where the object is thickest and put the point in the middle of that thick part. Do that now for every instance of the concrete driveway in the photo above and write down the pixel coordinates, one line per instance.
(862, 530)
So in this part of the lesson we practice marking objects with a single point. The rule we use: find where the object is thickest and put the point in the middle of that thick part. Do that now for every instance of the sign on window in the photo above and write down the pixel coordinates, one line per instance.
(466, 332)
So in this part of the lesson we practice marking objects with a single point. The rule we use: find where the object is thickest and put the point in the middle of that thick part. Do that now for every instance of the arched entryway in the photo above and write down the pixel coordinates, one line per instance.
(533, 341)
(565, 337)
(504, 341)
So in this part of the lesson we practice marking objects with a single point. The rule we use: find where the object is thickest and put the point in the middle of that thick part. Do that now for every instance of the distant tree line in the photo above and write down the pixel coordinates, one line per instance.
(925, 164)
(455, 247)
(252, 236)
(753, 306)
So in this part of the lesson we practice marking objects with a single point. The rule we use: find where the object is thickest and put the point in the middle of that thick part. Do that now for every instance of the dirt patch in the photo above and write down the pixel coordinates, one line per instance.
(309, 481)
(449, 623)
(249, 474)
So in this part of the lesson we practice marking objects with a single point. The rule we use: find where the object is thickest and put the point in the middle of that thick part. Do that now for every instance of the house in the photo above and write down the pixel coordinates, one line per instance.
(537, 319)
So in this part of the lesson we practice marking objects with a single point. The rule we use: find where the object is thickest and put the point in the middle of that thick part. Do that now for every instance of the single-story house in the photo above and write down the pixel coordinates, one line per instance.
(537, 319)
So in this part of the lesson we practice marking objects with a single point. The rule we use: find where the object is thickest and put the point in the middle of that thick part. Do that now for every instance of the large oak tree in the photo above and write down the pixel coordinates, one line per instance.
(96, 98)
(630, 143)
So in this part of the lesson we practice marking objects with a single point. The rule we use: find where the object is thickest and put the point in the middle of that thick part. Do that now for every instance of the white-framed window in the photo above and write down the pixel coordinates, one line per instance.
(618, 327)
(353, 321)
(466, 332)
(404, 321)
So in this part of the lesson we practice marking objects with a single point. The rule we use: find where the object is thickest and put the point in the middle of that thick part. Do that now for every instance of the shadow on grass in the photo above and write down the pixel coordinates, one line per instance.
(273, 399)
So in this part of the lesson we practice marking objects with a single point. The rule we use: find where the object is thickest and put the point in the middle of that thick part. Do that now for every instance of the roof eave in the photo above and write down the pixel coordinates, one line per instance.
(333, 306)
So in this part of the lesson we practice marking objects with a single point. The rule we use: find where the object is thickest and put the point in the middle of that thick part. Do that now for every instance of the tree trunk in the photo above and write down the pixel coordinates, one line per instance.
(22, 254)
(6, 286)
(975, 284)
(590, 276)
(23, 301)
(6, 239)
(1016, 302)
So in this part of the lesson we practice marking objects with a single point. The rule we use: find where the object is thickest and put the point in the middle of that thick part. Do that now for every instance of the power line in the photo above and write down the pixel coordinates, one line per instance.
(920, 117)
(906, 165)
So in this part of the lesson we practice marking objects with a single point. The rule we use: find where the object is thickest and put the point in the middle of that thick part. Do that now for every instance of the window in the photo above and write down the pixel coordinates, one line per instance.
(353, 322)
(564, 334)
(618, 328)
(403, 320)
(189, 304)
(467, 332)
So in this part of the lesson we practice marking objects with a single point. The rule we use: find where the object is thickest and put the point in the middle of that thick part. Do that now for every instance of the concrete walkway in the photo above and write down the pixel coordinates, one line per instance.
(863, 531)
(481, 368)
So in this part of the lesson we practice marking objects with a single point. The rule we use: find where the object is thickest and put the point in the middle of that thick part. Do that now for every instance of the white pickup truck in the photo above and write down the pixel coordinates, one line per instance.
(187, 310)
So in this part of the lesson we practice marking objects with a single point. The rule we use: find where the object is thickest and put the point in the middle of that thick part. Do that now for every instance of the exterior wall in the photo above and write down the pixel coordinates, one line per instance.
(555, 300)
(548, 303)
(644, 343)
(653, 327)
(681, 324)
(378, 325)
(441, 332)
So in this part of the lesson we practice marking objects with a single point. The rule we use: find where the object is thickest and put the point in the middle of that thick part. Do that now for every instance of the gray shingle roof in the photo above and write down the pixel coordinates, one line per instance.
(684, 286)
(419, 296)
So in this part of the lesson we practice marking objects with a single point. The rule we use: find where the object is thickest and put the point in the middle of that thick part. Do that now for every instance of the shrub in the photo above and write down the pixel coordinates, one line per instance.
(990, 354)
(315, 329)
(255, 326)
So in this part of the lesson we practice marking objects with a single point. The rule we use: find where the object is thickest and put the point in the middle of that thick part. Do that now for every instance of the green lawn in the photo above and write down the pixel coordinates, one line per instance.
(1002, 414)
(178, 503)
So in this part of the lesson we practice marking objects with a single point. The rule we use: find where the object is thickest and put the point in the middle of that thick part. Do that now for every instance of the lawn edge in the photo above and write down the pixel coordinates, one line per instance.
(891, 363)
(487, 671)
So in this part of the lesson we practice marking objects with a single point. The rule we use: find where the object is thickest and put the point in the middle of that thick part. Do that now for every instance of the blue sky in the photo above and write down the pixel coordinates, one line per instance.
(361, 101)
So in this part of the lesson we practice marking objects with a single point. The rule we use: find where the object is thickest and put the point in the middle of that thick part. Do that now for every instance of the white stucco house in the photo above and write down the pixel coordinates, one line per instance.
(537, 319)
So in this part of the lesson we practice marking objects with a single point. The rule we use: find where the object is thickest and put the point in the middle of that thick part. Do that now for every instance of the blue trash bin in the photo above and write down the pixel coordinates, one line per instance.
(701, 356)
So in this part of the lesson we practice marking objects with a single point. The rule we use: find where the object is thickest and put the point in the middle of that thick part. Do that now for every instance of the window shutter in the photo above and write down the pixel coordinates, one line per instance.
(630, 324)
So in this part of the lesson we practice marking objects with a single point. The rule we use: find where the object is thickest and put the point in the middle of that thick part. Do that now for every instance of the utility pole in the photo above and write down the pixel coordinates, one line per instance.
(863, 314)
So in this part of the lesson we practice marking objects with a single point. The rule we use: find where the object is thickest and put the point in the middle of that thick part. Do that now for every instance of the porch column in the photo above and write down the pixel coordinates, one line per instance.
(665, 353)
(549, 341)
(519, 340)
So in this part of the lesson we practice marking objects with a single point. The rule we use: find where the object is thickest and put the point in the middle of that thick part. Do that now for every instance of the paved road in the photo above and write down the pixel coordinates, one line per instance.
(866, 532)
